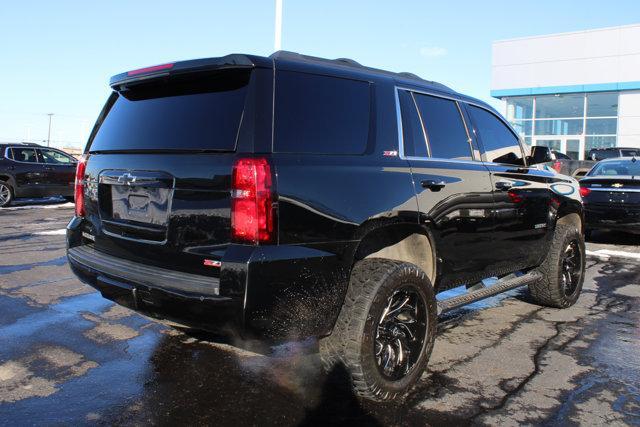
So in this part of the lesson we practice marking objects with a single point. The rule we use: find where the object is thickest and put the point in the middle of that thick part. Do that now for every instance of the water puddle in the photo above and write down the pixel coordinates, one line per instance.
(57, 262)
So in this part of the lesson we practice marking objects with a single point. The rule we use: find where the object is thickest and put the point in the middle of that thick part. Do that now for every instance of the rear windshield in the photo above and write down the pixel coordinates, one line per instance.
(195, 113)
(622, 167)
(605, 154)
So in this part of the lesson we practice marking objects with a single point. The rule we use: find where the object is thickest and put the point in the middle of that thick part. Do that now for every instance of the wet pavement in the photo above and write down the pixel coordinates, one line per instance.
(67, 356)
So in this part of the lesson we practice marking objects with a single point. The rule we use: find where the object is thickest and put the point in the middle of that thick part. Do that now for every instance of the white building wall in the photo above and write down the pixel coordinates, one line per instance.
(600, 56)
(629, 119)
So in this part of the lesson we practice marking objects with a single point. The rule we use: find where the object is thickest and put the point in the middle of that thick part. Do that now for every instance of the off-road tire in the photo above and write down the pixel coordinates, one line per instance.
(549, 290)
(5, 203)
(351, 343)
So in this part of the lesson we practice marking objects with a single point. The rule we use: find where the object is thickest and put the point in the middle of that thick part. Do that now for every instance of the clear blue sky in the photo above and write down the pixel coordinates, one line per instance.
(57, 56)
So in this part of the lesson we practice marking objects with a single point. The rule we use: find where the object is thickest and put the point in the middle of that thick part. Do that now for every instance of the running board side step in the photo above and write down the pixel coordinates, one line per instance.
(502, 286)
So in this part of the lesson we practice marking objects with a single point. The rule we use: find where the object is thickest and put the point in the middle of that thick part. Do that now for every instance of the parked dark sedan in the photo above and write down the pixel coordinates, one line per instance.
(30, 170)
(611, 195)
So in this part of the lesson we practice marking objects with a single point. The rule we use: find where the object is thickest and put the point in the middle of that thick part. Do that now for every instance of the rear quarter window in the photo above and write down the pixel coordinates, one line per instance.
(321, 114)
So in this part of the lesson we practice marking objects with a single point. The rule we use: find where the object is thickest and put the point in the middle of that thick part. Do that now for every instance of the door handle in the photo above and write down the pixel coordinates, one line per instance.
(433, 185)
(503, 185)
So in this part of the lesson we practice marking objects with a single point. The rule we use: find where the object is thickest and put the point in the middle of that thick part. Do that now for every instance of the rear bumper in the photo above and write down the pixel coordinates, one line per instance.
(265, 292)
(612, 217)
(158, 293)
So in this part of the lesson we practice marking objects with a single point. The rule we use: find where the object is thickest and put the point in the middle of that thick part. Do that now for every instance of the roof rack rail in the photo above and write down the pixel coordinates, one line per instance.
(30, 144)
(302, 57)
(410, 75)
(347, 62)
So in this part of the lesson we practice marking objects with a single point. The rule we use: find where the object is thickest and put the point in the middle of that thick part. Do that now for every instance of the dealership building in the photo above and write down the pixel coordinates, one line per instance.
(572, 91)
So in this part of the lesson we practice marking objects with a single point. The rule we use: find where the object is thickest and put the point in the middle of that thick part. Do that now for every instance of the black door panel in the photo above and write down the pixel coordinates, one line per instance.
(456, 202)
(30, 176)
(59, 170)
(522, 211)
(522, 195)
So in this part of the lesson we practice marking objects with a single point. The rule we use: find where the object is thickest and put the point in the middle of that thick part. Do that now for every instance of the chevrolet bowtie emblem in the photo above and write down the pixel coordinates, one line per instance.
(127, 179)
(617, 185)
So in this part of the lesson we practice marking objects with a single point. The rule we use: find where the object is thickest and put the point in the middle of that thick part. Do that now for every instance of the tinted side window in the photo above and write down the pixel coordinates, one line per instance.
(320, 114)
(55, 157)
(500, 144)
(446, 134)
(27, 155)
(413, 141)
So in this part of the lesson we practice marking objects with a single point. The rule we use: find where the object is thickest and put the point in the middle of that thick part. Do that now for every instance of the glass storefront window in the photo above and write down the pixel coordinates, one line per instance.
(602, 126)
(602, 105)
(598, 142)
(553, 106)
(523, 127)
(520, 108)
(553, 144)
(580, 121)
(558, 127)
(573, 148)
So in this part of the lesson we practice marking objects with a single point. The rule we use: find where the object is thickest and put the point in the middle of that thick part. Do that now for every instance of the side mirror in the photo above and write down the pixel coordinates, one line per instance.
(540, 155)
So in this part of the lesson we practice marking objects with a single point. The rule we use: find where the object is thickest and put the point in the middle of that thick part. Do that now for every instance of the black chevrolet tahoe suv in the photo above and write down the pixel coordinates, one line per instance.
(294, 197)
(30, 170)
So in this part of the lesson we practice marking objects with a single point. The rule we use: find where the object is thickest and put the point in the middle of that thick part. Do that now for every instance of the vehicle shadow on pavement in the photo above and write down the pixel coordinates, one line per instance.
(338, 404)
(614, 238)
(207, 382)
(291, 379)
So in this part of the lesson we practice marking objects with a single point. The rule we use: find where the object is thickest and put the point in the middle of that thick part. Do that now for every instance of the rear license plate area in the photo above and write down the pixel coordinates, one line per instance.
(135, 205)
(140, 204)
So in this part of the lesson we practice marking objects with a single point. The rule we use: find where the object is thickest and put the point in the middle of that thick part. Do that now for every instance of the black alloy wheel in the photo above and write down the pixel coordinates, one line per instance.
(5, 194)
(400, 333)
(571, 265)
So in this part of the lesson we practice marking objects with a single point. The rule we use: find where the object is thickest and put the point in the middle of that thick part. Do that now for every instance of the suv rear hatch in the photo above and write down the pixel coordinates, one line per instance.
(160, 160)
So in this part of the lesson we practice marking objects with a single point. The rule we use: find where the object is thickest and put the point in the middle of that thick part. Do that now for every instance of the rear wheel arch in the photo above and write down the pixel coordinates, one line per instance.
(571, 213)
(404, 242)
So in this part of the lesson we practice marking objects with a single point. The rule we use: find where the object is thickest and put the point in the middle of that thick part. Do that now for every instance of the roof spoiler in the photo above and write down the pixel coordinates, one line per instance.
(129, 78)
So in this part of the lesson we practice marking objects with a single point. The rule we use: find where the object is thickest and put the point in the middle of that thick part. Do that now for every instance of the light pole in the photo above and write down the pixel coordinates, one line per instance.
(49, 134)
(277, 45)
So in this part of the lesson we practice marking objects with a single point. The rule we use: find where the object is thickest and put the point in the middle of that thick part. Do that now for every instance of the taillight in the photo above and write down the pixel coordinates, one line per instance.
(585, 191)
(514, 197)
(557, 165)
(79, 185)
(252, 214)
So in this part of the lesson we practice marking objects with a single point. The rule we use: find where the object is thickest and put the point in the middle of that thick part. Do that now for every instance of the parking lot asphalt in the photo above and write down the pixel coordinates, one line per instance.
(68, 356)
